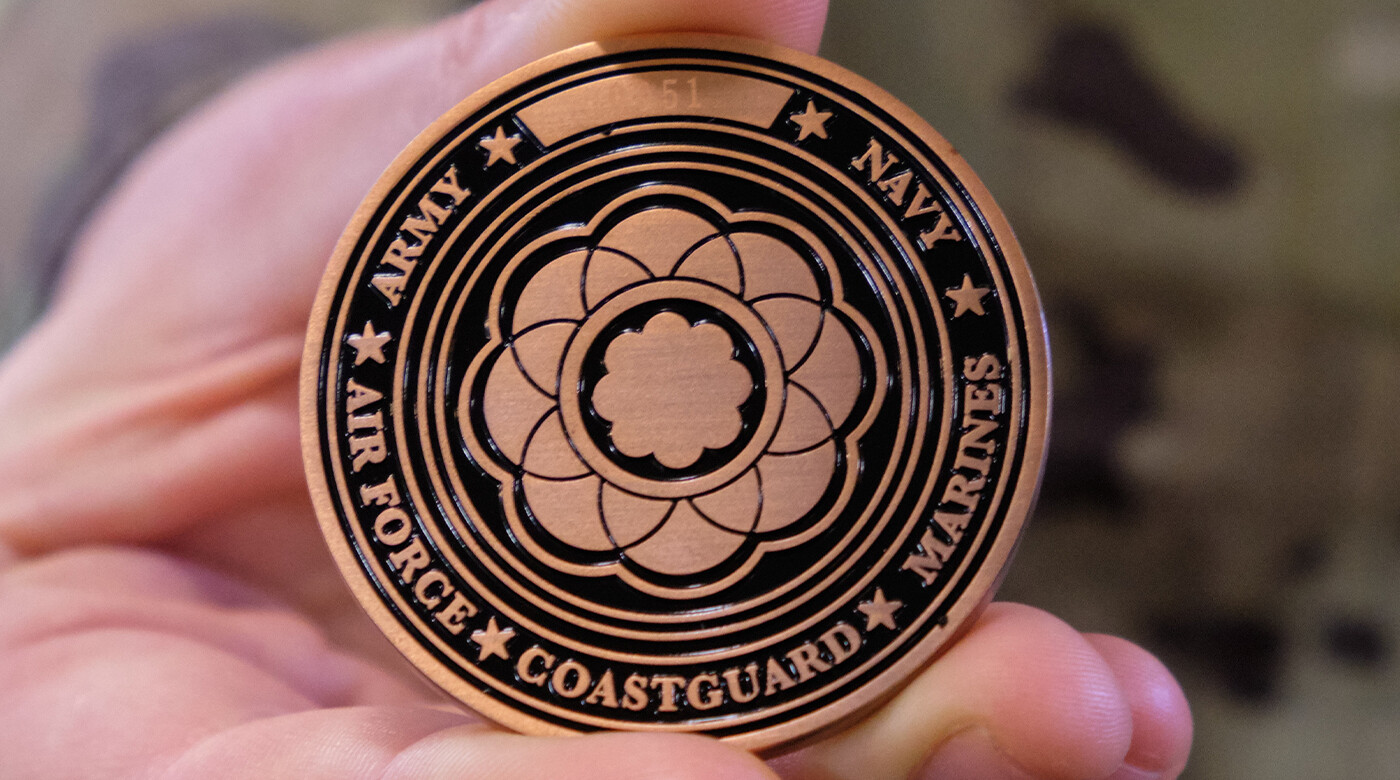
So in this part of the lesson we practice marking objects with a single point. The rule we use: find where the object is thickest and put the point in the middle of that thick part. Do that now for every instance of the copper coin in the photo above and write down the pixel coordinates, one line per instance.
(678, 383)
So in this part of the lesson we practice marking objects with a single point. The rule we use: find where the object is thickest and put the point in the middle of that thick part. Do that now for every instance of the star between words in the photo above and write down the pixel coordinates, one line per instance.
(433, 590)
(443, 599)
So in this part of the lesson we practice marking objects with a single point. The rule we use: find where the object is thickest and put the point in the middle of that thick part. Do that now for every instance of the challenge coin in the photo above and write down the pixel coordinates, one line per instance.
(679, 383)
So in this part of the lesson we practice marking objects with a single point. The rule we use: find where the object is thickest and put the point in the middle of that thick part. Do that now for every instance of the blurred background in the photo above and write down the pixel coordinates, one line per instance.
(1209, 194)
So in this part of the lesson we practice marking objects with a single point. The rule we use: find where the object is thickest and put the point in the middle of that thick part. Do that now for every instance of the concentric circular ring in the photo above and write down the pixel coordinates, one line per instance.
(572, 413)
(678, 383)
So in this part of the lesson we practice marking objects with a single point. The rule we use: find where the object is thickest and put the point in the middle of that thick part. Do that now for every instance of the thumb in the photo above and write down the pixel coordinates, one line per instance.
(391, 743)
(122, 663)
(316, 131)
(171, 352)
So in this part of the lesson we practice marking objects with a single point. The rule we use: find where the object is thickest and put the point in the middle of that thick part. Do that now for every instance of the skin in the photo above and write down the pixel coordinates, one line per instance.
(167, 607)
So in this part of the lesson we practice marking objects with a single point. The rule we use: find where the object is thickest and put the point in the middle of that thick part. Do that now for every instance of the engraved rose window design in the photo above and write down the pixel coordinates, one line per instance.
(674, 390)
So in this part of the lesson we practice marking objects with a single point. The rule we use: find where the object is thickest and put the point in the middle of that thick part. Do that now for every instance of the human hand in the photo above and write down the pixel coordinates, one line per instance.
(167, 606)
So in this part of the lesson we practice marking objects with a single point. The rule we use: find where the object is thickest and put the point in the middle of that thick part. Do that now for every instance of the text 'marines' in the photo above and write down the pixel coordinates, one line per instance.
(680, 383)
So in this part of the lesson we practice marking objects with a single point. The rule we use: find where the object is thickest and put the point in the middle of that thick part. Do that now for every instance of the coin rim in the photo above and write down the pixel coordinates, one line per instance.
(885, 684)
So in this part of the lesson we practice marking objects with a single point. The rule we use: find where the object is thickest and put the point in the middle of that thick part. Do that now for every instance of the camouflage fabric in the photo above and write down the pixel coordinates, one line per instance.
(1208, 194)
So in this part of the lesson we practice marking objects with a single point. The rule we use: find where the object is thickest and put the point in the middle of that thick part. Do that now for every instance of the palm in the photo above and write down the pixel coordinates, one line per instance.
(155, 408)
(165, 375)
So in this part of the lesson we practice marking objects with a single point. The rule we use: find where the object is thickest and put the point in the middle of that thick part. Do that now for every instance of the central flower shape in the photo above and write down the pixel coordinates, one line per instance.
(672, 390)
(670, 328)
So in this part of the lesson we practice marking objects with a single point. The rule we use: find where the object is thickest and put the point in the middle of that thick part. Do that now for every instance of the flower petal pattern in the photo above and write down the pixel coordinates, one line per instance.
(734, 506)
(804, 425)
(672, 389)
(568, 510)
(658, 237)
(549, 454)
(686, 544)
(629, 517)
(515, 406)
(795, 323)
(607, 272)
(713, 261)
(828, 370)
(539, 350)
(540, 300)
(771, 267)
(794, 483)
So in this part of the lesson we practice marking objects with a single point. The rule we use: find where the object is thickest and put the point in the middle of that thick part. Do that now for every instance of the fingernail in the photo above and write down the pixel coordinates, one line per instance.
(971, 755)
(1126, 772)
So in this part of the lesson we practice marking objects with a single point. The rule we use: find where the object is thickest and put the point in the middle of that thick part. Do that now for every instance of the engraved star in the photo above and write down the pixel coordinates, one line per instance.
(810, 122)
(967, 297)
(500, 146)
(368, 345)
(879, 611)
(492, 640)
